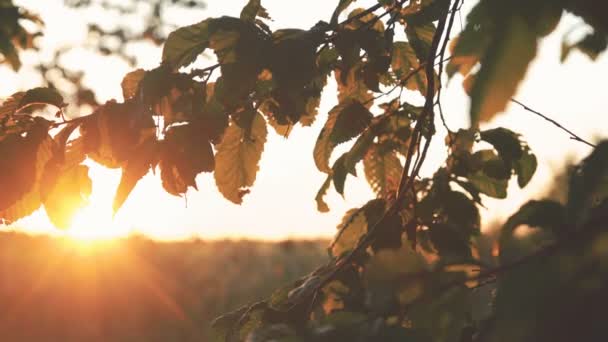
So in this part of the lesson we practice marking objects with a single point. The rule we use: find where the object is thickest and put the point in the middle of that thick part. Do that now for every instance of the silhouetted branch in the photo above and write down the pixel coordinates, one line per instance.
(572, 135)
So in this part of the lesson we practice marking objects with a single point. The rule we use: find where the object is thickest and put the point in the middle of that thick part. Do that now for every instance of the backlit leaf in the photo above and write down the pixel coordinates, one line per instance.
(145, 157)
(350, 230)
(237, 158)
(185, 152)
(185, 44)
(130, 83)
(345, 121)
(321, 204)
(405, 65)
(23, 162)
(382, 170)
(492, 187)
(70, 192)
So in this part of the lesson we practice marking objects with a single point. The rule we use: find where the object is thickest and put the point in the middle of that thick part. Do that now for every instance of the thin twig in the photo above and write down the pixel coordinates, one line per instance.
(572, 135)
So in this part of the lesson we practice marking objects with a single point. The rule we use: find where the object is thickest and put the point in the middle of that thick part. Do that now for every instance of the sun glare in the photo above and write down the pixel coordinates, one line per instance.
(95, 222)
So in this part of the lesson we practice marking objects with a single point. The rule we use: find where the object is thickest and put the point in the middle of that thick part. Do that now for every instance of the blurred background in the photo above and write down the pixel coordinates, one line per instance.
(163, 268)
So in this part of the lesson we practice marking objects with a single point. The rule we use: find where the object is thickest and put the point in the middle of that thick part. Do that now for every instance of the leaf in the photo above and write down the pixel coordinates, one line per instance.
(546, 213)
(420, 38)
(350, 230)
(321, 204)
(453, 246)
(515, 154)
(41, 95)
(587, 178)
(430, 11)
(237, 158)
(405, 65)
(492, 187)
(505, 142)
(69, 193)
(222, 326)
(511, 48)
(525, 168)
(21, 100)
(185, 44)
(252, 10)
(352, 87)
(111, 134)
(345, 121)
(23, 162)
(461, 212)
(383, 170)
(131, 83)
(145, 158)
(185, 153)
(11, 105)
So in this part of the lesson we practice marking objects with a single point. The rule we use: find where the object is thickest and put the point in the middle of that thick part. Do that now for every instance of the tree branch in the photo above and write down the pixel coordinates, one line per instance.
(555, 123)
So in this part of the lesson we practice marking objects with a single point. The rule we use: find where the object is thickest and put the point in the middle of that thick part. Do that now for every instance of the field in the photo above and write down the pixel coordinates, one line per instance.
(136, 289)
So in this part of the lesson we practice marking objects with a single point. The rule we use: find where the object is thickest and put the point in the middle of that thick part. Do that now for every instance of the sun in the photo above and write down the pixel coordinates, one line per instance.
(95, 221)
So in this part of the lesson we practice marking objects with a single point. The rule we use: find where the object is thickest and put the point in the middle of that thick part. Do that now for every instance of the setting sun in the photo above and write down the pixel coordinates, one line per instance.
(95, 221)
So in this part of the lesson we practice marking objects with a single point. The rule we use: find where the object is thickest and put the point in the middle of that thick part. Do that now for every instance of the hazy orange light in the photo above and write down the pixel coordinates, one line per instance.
(94, 222)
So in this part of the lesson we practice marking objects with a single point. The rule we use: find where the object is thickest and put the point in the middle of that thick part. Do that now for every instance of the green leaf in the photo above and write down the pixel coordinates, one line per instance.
(185, 44)
(237, 158)
(345, 121)
(492, 187)
(383, 170)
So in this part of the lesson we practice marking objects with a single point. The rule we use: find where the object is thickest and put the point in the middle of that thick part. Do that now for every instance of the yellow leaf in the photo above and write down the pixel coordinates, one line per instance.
(237, 158)
(70, 192)
(350, 230)
(382, 170)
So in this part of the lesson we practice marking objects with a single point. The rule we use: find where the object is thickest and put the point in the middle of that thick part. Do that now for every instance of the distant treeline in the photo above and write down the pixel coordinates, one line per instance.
(136, 289)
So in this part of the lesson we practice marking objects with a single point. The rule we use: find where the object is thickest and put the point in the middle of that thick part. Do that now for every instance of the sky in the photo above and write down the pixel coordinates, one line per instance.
(281, 204)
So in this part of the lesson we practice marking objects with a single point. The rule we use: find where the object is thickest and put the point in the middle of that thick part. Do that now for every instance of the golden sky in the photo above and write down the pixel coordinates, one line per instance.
(282, 204)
